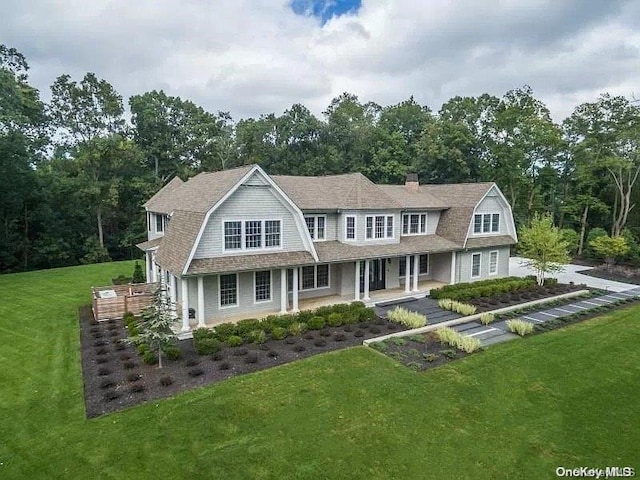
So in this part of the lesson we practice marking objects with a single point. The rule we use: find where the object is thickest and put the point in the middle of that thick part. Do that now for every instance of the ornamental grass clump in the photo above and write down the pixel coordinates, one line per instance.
(451, 337)
(486, 318)
(520, 327)
(455, 306)
(407, 318)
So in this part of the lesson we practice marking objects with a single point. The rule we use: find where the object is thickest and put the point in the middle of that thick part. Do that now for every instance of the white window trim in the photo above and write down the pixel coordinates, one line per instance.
(408, 214)
(155, 227)
(373, 230)
(482, 232)
(495, 272)
(255, 300)
(315, 278)
(314, 237)
(149, 215)
(355, 228)
(479, 254)
(235, 305)
(243, 240)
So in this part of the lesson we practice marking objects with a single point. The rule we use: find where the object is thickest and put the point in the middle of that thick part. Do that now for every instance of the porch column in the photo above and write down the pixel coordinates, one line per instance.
(407, 273)
(185, 305)
(294, 299)
(147, 267)
(154, 269)
(452, 278)
(173, 294)
(283, 291)
(366, 280)
(416, 271)
(357, 282)
(201, 302)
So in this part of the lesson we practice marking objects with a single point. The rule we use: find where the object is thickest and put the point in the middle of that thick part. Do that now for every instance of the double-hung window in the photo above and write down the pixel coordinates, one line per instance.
(486, 223)
(350, 228)
(311, 276)
(159, 223)
(475, 264)
(493, 262)
(379, 226)
(228, 290)
(252, 234)
(262, 285)
(414, 223)
(316, 224)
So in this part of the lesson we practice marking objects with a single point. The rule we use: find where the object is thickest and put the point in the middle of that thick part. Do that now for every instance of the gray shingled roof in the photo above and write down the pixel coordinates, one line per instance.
(149, 244)
(198, 194)
(179, 239)
(334, 251)
(237, 263)
(419, 198)
(352, 191)
(490, 241)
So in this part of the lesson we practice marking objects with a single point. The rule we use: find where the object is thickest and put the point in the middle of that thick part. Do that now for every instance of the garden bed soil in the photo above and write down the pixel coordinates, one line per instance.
(115, 376)
(495, 302)
(419, 352)
(618, 273)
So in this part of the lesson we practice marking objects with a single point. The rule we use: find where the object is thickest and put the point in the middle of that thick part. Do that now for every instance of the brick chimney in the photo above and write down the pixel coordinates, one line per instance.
(411, 183)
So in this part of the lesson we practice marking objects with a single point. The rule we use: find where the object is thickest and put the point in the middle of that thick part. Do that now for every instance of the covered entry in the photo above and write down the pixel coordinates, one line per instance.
(377, 275)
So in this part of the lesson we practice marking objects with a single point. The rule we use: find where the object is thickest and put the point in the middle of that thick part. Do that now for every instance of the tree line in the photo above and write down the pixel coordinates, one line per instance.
(76, 170)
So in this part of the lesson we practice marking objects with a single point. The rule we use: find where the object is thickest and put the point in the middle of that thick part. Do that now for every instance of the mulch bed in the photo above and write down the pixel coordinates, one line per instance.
(494, 302)
(419, 352)
(618, 273)
(115, 376)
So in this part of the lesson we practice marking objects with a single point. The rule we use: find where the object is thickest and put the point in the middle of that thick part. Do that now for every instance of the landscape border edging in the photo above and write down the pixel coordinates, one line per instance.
(475, 316)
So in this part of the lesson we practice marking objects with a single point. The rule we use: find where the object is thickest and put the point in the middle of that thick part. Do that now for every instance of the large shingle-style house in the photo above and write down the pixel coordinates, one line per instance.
(242, 243)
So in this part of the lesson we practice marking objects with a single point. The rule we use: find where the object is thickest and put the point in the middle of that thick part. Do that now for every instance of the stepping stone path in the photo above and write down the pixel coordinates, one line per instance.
(425, 306)
(498, 332)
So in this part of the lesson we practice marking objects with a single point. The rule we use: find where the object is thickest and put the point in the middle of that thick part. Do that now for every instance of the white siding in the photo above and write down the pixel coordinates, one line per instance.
(361, 224)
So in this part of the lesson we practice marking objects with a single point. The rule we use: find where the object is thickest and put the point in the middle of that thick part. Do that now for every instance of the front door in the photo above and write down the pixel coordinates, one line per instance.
(377, 275)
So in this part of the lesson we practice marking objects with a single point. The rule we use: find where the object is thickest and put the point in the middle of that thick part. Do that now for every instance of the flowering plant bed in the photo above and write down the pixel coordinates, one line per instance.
(115, 376)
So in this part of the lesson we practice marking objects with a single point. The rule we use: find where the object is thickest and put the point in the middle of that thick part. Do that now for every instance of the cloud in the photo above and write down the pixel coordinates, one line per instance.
(253, 57)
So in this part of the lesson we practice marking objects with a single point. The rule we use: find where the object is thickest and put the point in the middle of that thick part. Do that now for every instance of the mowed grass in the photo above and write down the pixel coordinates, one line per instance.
(518, 410)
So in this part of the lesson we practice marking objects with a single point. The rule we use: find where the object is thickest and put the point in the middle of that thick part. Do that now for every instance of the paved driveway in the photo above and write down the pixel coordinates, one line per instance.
(570, 274)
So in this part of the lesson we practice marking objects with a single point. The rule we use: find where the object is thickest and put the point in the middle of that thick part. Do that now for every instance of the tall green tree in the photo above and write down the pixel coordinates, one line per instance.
(543, 246)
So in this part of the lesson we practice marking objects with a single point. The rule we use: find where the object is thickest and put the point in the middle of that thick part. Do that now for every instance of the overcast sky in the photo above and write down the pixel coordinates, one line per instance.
(260, 56)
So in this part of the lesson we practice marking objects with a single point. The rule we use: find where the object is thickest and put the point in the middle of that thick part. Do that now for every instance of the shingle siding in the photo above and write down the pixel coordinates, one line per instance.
(463, 264)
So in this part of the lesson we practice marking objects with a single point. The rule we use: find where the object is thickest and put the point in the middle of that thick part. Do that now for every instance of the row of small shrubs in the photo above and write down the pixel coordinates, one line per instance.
(520, 327)
(277, 327)
(456, 306)
(451, 337)
(407, 318)
(485, 288)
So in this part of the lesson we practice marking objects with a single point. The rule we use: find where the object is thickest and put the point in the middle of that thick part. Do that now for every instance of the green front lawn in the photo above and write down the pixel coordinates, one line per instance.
(518, 410)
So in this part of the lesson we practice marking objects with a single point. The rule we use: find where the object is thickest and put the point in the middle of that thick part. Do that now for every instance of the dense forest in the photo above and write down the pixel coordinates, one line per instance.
(76, 171)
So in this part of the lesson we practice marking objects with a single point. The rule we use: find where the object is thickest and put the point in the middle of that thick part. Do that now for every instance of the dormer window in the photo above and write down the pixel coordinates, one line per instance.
(486, 223)
(316, 226)
(252, 234)
(159, 223)
(414, 223)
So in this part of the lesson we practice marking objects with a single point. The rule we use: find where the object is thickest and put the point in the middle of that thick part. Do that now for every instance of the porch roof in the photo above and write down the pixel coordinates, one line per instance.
(490, 241)
(238, 263)
(334, 251)
(149, 244)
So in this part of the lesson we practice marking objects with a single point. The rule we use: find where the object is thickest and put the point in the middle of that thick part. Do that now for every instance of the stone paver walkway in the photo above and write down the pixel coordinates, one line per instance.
(497, 332)
(425, 306)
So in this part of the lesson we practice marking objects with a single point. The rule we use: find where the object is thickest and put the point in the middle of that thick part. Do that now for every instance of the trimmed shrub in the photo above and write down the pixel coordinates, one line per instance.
(320, 342)
(358, 333)
(485, 288)
(272, 354)
(223, 331)
(519, 327)
(137, 388)
(216, 356)
(234, 341)
(299, 348)
(165, 380)
(111, 395)
(339, 337)
(195, 372)
(238, 352)
(104, 371)
(133, 377)
(278, 333)
(325, 332)
(150, 358)
(129, 365)
(246, 326)
(316, 323)
(405, 317)
(486, 318)
(257, 336)
(224, 366)
(334, 319)
(107, 383)
(207, 346)
(172, 352)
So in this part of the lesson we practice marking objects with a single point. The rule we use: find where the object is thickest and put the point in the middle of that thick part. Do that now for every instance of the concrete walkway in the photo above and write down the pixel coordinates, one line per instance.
(570, 274)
